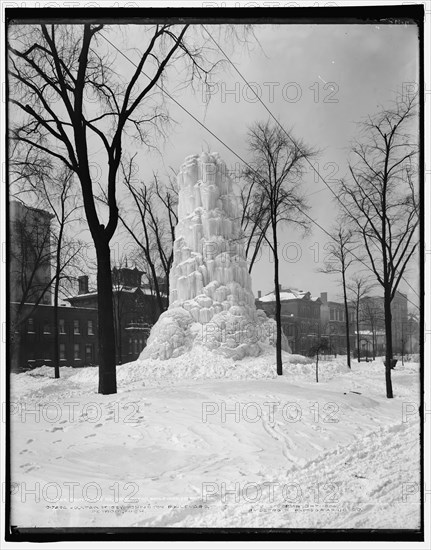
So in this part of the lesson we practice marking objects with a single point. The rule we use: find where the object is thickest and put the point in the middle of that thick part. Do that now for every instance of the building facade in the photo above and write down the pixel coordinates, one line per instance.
(333, 323)
(300, 317)
(135, 310)
(34, 340)
(372, 323)
(30, 254)
(31, 331)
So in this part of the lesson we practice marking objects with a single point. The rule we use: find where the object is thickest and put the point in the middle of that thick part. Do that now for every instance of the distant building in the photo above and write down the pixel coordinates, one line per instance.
(413, 333)
(372, 320)
(305, 319)
(34, 340)
(135, 310)
(333, 323)
(30, 254)
(31, 330)
(300, 316)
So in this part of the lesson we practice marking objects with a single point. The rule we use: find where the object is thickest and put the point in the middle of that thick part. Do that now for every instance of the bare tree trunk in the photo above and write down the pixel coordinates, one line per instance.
(120, 342)
(56, 336)
(117, 299)
(317, 367)
(346, 310)
(56, 292)
(15, 347)
(279, 358)
(107, 369)
(388, 330)
(358, 338)
(374, 344)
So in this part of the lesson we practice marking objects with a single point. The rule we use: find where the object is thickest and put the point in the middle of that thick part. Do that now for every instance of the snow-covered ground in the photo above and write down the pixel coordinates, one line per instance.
(204, 441)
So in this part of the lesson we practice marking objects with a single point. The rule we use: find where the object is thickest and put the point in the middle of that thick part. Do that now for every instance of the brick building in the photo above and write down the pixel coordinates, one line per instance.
(333, 323)
(33, 341)
(300, 316)
(135, 310)
(32, 315)
(29, 254)
(372, 322)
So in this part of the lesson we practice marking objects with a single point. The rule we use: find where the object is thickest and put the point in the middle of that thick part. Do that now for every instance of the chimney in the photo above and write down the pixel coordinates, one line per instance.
(259, 294)
(83, 284)
(324, 297)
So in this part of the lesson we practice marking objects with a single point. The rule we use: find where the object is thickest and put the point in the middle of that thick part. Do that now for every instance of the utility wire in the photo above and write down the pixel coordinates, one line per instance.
(287, 134)
(223, 143)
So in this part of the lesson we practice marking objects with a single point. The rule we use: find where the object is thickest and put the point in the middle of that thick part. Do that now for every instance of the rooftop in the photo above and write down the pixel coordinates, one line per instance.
(289, 294)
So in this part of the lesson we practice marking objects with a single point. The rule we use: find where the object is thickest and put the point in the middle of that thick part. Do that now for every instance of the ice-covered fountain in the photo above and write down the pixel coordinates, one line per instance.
(211, 302)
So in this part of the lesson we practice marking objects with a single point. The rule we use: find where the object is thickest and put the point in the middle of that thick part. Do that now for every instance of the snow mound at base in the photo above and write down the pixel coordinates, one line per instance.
(236, 333)
(200, 364)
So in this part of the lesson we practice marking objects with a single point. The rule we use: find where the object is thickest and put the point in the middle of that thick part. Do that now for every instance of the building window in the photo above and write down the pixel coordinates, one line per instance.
(76, 351)
(332, 314)
(90, 331)
(83, 284)
(76, 327)
(130, 346)
(46, 327)
(61, 326)
(62, 352)
(30, 325)
(88, 354)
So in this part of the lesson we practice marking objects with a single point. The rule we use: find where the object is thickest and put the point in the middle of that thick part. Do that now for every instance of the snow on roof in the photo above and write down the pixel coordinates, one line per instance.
(370, 333)
(288, 294)
(81, 295)
(119, 288)
(122, 288)
(51, 305)
(283, 296)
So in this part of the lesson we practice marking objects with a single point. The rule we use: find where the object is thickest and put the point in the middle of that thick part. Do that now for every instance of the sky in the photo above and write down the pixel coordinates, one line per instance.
(318, 81)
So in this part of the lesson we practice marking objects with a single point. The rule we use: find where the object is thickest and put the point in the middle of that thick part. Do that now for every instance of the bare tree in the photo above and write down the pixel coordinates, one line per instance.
(338, 261)
(372, 316)
(36, 248)
(275, 171)
(39, 178)
(255, 218)
(30, 260)
(320, 347)
(324, 332)
(381, 200)
(120, 306)
(359, 286)
(60, 195)
(153, 229)
(57, 71)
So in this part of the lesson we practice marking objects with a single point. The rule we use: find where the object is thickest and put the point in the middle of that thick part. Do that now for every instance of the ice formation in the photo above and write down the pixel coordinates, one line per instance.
(211, 302)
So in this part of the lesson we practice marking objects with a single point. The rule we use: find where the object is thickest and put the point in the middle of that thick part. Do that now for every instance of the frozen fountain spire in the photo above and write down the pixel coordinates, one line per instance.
(211, 302)
(207, 247)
